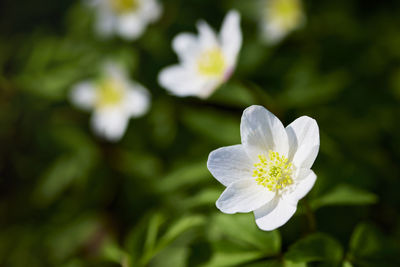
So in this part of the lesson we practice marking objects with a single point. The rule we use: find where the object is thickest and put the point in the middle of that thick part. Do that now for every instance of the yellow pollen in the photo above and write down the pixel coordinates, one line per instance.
(124, 6)
(273, 172)
(110, 93)
(287, 13)
(211, 62)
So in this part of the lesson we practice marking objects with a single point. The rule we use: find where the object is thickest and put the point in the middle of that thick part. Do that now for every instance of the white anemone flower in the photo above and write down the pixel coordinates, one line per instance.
(114, 99)
(279, 18)
(206, 60)
(270, 171)
(127, 18)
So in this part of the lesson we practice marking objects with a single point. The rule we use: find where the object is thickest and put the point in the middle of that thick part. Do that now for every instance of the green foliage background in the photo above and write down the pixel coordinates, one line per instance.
(70, 199)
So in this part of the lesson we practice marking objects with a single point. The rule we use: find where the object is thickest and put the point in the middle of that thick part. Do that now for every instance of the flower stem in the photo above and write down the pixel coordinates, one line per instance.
(312, 223)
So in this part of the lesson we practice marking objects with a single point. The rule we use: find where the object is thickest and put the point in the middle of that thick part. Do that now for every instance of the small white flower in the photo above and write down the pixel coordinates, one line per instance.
(114, 99)
(206, 60)
(127, 18)
(279, 17)
(270, 171)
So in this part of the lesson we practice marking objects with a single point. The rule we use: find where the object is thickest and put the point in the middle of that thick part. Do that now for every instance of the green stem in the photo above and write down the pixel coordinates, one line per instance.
(312, 223)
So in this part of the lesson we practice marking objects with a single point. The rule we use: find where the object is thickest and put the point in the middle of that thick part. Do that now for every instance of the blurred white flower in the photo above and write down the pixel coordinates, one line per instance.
(206, 60)
(270, 171)
(279, 18)
(127, 18)
(114, 99)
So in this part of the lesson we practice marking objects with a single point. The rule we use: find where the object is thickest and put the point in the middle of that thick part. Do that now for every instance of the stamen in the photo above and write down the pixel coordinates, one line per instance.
(211, 62)
(124, 6)
(110, 93)
(273, 172)
(287, 13)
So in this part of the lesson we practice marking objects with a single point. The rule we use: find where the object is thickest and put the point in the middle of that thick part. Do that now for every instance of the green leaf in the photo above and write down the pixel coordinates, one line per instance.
(59, 175)
(152, 231)
(217, 125)
(135, 163)
(305, 86)
(369, 245)
(315, 247)
(184, 176)
(179, 227)
(233, 94)
(242, 229)
(170, 256)
(206, 197)
(294, 264)
(111, 251)
(230, 254)
(135, 240)
(344, 195)
(365, 241)
(277, 263)
(74, 263)
(162, 117)
(67, 238)
(176, 229)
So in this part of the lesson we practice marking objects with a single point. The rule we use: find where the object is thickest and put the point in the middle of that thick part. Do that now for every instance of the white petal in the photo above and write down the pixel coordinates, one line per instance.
(109, 123)
(229, 164)
(83, 95)
(303, 185)
(207, 36)
(114, 70)
(105, 23)
(262, 131)
(186, 46)
(273, 32)
(243, 196)
(151, 10)
(181, 81)
(303, 136)
(137, 100)
(92, 3)
(274, 214)
(208, 88)
(231, 36)
(130, 26)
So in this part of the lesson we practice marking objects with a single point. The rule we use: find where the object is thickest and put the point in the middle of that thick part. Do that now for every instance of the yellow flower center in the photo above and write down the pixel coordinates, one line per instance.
(273, 172)
(287, 13)
(110, 93)
(124, 6)
(211, 62)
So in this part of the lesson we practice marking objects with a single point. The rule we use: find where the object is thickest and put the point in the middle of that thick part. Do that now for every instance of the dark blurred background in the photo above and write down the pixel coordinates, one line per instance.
(69, 198)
